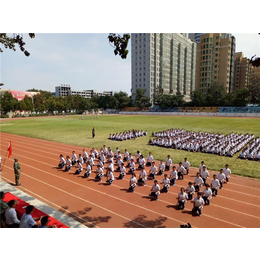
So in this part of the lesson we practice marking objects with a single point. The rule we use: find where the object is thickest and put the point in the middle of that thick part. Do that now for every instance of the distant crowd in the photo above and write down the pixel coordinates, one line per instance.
(205, 142)
(127, 135)
(252, 151)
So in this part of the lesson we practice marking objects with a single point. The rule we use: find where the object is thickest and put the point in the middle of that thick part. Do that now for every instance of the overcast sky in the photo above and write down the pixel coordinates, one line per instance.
(81, 60)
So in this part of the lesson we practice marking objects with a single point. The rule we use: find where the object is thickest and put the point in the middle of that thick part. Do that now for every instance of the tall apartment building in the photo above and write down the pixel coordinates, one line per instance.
(195, 36)
(242, 71)
(215, 61)
(163, 60)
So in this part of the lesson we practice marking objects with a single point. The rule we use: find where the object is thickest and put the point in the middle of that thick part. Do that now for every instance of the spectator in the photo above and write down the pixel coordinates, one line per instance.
(11, 219)
(44, 223)
(27, 221)
(3, 207)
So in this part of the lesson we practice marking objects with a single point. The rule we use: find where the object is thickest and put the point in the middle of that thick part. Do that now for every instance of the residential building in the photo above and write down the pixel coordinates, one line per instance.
(164, 61)
(242, 71)
(195, 36)
(215, 61)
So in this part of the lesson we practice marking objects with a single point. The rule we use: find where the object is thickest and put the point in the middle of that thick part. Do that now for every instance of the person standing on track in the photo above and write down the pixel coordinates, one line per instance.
(17, 171)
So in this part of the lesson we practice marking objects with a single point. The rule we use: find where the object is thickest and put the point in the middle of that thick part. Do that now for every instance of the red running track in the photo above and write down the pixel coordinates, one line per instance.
(95, 204)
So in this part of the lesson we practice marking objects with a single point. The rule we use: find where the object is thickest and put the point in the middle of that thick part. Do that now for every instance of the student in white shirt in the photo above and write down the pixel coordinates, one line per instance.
(182, 198)
(173, 175)
(215, 185)
(161, 168)
(131, 166)
(168, 163)
(221, 177)
(141, 162)
(91, 161)
(201, 166)
(99, 173)
(122, 172)
(74, 158)
(79, 167)
(110, 177)
(198, 204)
(166, 183)
(153, 171)
(186, 165)
(181, 170)
(81, 159)
(84, 155)
(207, 194)
(190, 190)
(155, 190)
(204, 174)
(149, 159)
(62, 162)
(132, 183)
(68, 164)
(142, 177)
(87, 170)
(227, 173)
(198, 182)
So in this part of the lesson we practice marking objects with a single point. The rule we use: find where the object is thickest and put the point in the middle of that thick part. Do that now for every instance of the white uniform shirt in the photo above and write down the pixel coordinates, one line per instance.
(207, 192)
(180, 169)
(110, 175)
(198, 181)
(226, 171)
(215, 183)
(166, 181)
(198, 202)
(204, 174)
(150, 158)
(68, 162)
(221, 176)
(156, 188)
(183, 196)
(186, 164)
(62, 160)
(162, 166)
(11, 216)
(153, 169)
(133, 180)
(168, 162)
(143, 174)
(174, 174)
(88, 168)
(190, 188)
(27, 221)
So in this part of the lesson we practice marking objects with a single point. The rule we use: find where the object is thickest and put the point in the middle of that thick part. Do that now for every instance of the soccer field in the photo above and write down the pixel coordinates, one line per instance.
(77, 130)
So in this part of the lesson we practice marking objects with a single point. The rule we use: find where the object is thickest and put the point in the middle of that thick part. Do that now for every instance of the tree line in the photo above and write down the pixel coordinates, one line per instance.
(216, 96)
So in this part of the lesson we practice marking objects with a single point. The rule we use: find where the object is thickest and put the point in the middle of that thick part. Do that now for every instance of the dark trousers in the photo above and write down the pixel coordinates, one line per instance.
(196, 209)
(190, 195)
(173, 181)
(153, 194)
(206, 200)
(214, 191)
(86, 175)
(180, 175)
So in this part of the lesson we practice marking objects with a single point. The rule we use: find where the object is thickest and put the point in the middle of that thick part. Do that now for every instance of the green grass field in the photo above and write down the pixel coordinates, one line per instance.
(77, 131)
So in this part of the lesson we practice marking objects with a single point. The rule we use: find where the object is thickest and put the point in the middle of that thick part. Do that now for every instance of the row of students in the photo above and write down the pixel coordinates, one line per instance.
(127, 135)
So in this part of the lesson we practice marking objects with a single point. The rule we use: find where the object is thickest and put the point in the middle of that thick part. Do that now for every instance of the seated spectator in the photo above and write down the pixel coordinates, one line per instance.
(44, 223)
(3, 207)
(27, 221)
(11, 219)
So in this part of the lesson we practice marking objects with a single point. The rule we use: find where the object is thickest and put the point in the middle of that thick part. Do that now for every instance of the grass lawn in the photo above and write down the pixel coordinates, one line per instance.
(75, 130)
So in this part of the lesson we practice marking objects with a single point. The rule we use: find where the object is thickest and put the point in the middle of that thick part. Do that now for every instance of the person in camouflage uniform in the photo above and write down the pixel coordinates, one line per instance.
(17, 171)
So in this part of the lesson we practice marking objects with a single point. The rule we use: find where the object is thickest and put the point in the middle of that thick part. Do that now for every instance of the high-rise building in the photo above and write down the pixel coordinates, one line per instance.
(242, 71)
(164, 61)
(195, 36)
(215, 61)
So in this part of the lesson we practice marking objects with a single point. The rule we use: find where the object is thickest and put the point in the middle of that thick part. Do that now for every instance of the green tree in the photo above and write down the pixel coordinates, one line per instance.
(8, 102)
(123, 100)
(39, 102)
(10, 42)
(240, 97)
(197, 98)
(119, 43)
(28, 102)
(140, 99)
(215, 95)
(254, 90)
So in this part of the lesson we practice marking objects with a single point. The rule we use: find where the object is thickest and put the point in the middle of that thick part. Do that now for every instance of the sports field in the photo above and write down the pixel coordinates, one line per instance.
(76, 130)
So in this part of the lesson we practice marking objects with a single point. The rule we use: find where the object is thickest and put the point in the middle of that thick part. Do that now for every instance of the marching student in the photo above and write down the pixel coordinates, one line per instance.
(201, 166)
(173, 175)
(84, 155)
(116, 152)
(110, 167)
(62, 162)
(87, 170)
(181, 170)
(141, 162)
(68, 164)
(161, 168)
(103, 158)
(186, 165)
(215, 185)
(100, 164)
(155, 190)
(99, 173)
(153, 171)
(74, 158)
(221, 177)
(91, 161)
(80, 159)
(110, 177)
(182, 198)
(204, 174)
(149, 159)
(79, 167)
(110, 155)
(131, 166)
(190, 190)
(168, 163)
(207, 194)
(142, 177)
(126, 154)
(132, 183)
(198, 204)
(198, 182)
(166, 183)
(120, 164)
(129, 159)
(122, 172)
(227, 173)
(137, 156)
